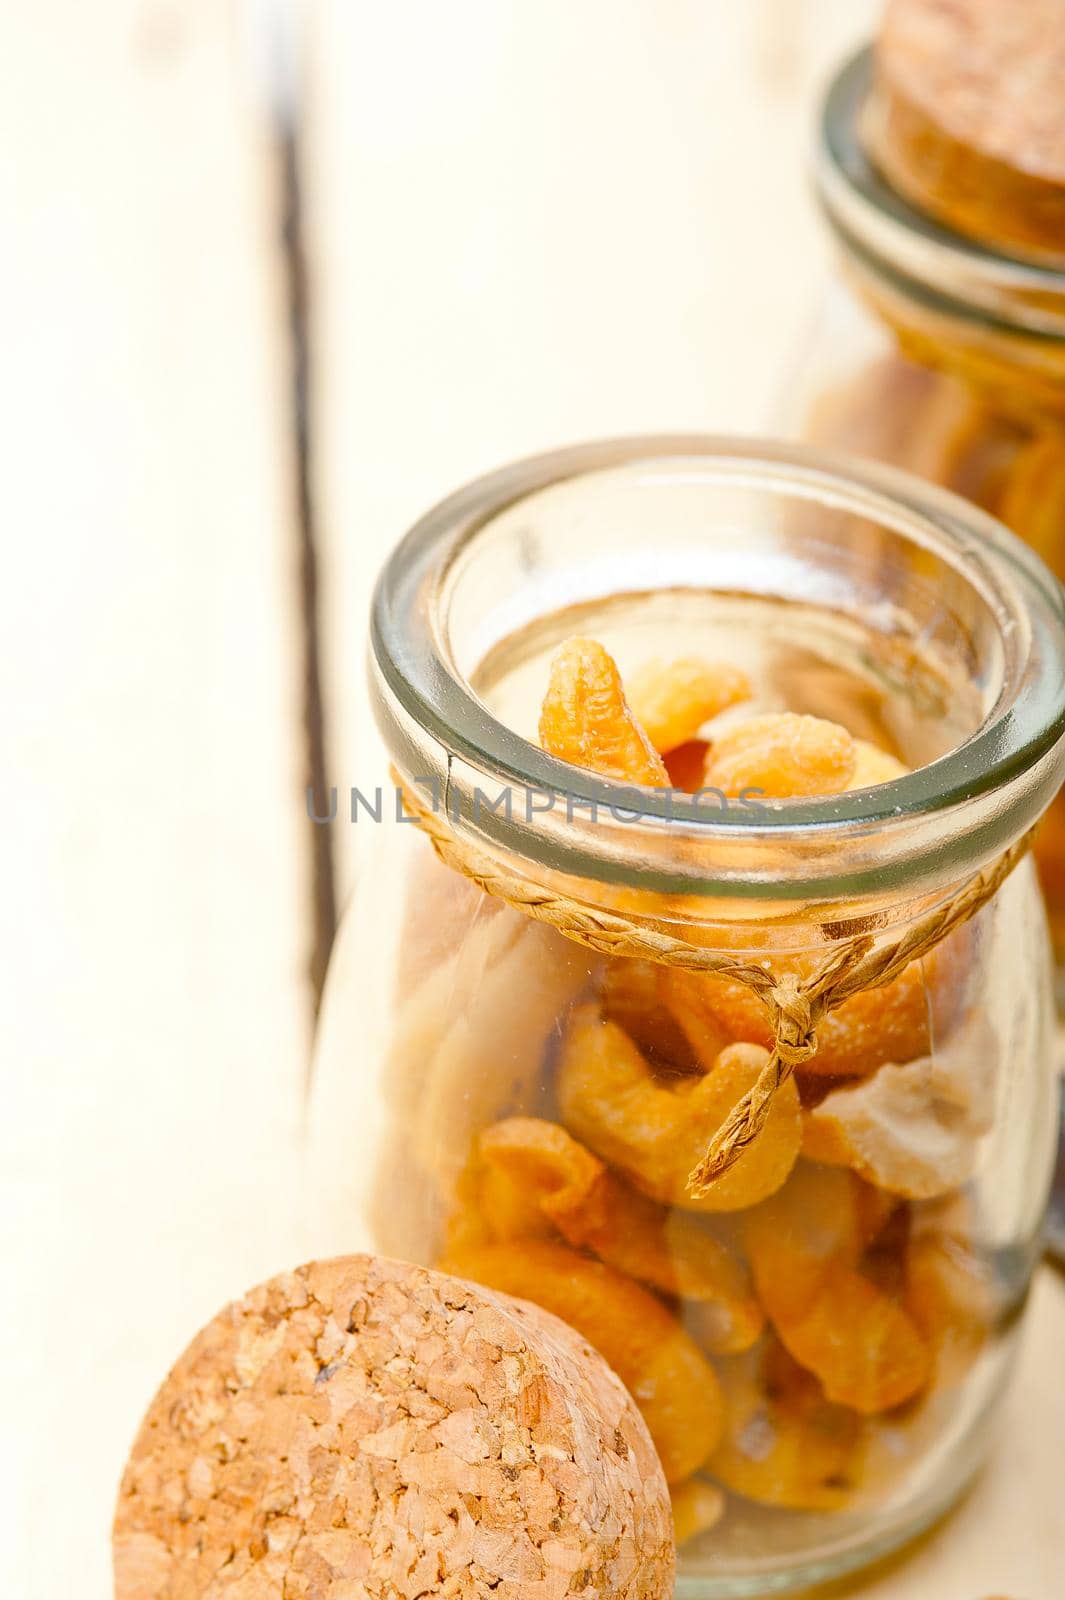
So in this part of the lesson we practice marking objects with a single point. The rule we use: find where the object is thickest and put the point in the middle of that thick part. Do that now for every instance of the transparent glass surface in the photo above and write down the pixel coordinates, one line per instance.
(819, 1346)
(940, 356)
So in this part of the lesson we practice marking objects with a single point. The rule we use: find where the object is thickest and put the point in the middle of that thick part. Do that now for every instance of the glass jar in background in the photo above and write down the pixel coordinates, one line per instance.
(940, 354)
(818, 1338)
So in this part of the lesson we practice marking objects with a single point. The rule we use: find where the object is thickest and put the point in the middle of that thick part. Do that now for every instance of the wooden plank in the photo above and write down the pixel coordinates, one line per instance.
(154, 853)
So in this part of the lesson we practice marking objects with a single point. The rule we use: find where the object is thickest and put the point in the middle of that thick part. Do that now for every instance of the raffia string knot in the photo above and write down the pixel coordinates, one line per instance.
(795, 1005)
(792, 1014)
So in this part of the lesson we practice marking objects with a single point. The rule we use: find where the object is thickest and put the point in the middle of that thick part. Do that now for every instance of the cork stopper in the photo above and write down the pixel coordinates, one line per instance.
(360, 1427)
(967, 118)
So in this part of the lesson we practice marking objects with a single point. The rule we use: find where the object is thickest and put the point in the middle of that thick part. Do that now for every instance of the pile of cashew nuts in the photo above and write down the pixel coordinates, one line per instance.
(828, 1287)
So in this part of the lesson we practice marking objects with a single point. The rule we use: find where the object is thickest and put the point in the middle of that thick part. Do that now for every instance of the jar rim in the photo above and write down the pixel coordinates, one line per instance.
(423, 703)
(928, 261)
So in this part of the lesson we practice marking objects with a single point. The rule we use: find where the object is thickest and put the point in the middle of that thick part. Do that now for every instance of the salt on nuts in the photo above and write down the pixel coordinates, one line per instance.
(783, 755)
(586, 719)
(912, 1129)
(873, 765)
(673, 699)
(661, 1366)
(656, 1130)
(554, 1179)
(784, 1444)
(804, 1247)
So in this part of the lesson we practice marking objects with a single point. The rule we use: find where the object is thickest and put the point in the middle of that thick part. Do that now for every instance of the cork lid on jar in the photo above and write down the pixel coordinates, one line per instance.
(967, 118)
(359, 1426)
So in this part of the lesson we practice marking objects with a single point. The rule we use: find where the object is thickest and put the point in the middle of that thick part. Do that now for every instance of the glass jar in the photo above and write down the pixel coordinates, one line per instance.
(938, 354)
(818, 1342)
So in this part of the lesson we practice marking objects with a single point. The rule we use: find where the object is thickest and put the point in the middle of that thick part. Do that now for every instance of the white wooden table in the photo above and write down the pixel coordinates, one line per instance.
(154, 903)
(527, 223)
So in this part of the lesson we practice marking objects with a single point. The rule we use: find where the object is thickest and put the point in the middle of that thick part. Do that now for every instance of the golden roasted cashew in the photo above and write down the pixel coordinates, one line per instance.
(873, 765)
(587, 721)
(661, 1366)
(534, 1173)
(865, 1349)
(804, 1245)
(912, 1129)
(490, 1207)
(950, 1287)
(672, 699)
(656, 1130)
(630, 994)
(898, 1023)
(698, 1506)
(784, 1444)
(782, 755)
(541, 1161)
(821, 1214)
(712, 1012)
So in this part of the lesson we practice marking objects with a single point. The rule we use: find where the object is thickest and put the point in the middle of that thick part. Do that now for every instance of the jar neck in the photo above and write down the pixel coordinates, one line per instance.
(603, 854)
(759, 929)
(946, 598)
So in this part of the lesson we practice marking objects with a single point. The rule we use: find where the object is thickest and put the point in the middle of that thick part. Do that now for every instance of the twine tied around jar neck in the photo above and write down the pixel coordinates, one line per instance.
(795, 1006)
